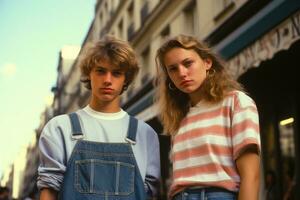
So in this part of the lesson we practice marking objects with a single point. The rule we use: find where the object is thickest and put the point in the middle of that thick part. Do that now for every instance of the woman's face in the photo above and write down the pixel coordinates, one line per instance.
(186, 69)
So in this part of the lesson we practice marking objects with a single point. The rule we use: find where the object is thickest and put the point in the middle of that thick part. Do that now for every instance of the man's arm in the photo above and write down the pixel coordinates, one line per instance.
(152, 179)
(48, 194)
(52, 158)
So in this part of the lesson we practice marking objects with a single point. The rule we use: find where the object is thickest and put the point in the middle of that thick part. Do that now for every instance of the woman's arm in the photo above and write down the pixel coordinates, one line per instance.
(248, 168)
(48, 194)
(246, 145)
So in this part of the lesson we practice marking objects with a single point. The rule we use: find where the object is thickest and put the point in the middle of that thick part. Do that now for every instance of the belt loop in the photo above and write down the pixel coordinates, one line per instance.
(203, 194)
(184, 195)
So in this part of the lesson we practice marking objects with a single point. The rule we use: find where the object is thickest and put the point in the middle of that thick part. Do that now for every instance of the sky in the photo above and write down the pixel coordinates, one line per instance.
(32, 33)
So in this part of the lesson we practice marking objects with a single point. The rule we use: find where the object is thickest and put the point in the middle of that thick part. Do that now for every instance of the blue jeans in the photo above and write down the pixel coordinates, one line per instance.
(205, 194)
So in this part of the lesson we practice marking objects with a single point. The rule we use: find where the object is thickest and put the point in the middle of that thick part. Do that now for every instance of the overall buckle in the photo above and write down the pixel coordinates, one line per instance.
(130, 141)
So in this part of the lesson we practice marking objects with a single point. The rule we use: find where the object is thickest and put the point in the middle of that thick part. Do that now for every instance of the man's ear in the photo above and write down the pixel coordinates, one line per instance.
(125, 87)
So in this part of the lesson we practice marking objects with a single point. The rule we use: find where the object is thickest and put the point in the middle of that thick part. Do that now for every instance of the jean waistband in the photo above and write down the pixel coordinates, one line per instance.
(208, 189)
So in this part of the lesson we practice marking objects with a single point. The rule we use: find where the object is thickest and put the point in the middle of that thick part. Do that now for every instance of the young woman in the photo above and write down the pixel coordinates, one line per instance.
(213, 124)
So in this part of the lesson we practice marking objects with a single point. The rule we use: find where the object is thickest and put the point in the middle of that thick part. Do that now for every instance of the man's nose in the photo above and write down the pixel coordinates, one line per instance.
(108, 77)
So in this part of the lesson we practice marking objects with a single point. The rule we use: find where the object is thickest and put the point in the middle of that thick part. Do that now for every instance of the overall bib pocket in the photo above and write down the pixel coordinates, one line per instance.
(104, 177)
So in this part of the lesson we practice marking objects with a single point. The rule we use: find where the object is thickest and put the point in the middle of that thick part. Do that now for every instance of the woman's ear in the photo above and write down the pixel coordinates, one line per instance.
(207, 63)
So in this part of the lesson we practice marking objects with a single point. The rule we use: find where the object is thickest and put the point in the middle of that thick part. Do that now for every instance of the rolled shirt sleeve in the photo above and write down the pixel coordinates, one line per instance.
(245, 125)
(52, 157)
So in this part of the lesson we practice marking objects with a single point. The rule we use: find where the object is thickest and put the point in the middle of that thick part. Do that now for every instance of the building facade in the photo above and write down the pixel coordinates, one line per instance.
(259, 40)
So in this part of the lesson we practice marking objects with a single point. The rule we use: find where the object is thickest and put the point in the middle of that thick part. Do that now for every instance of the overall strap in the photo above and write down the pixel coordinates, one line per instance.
(131, 134)
(76, 128)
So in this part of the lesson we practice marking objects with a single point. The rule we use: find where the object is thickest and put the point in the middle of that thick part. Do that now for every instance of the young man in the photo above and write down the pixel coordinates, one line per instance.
(100, 152)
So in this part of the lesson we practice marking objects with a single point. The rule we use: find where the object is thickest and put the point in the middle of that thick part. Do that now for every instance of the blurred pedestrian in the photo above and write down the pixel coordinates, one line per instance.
(31, 196)
(271, 184)
(4, 193)
(289, 185)
(213, 123)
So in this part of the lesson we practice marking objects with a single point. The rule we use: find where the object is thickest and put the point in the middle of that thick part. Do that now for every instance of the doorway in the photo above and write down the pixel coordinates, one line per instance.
(275, 87)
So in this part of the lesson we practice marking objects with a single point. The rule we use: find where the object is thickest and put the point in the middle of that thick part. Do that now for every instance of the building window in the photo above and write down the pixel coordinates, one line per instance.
(130, 12)
(287, 147)
(189, 17)
(120, 29)
(130, 30)
(101, 19)
(130, 92)
(165, 33)
(226, 3)
(144, 12)
(222, 7)
(106, 6)
(145, 65)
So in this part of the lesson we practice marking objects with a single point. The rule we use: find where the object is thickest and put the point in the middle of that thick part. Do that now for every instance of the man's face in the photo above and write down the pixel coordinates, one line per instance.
(107, 82)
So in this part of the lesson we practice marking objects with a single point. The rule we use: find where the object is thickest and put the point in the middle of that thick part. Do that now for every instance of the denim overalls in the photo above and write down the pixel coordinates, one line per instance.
(105, 171)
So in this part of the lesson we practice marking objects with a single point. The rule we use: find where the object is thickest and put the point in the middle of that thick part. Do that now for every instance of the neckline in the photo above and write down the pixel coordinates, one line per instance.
(105, 116)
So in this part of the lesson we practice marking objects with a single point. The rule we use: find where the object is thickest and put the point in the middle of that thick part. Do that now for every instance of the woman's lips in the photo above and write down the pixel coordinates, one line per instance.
(185, 82)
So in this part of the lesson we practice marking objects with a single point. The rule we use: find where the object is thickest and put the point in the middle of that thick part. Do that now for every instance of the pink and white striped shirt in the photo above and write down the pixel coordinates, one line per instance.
(210, 139)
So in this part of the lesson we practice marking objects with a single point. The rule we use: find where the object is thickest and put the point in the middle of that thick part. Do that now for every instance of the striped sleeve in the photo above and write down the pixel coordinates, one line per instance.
(245, 124)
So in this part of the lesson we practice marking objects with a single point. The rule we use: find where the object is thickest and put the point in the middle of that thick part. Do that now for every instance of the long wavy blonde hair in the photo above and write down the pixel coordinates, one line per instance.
(174, 104)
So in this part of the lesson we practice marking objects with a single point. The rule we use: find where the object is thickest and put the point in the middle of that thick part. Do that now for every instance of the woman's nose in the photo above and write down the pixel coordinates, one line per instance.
(182, 71)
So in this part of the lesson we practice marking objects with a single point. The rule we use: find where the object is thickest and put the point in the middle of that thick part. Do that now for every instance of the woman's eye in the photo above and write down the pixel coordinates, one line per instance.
(172, 69)
(188, 63)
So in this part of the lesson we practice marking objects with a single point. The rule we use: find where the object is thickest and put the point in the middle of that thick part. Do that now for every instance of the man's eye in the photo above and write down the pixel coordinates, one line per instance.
(100, 71)
(117, 73)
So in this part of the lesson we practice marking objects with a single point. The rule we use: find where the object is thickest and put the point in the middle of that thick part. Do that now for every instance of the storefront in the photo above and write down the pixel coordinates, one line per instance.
(275, 86)
(269, 71)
